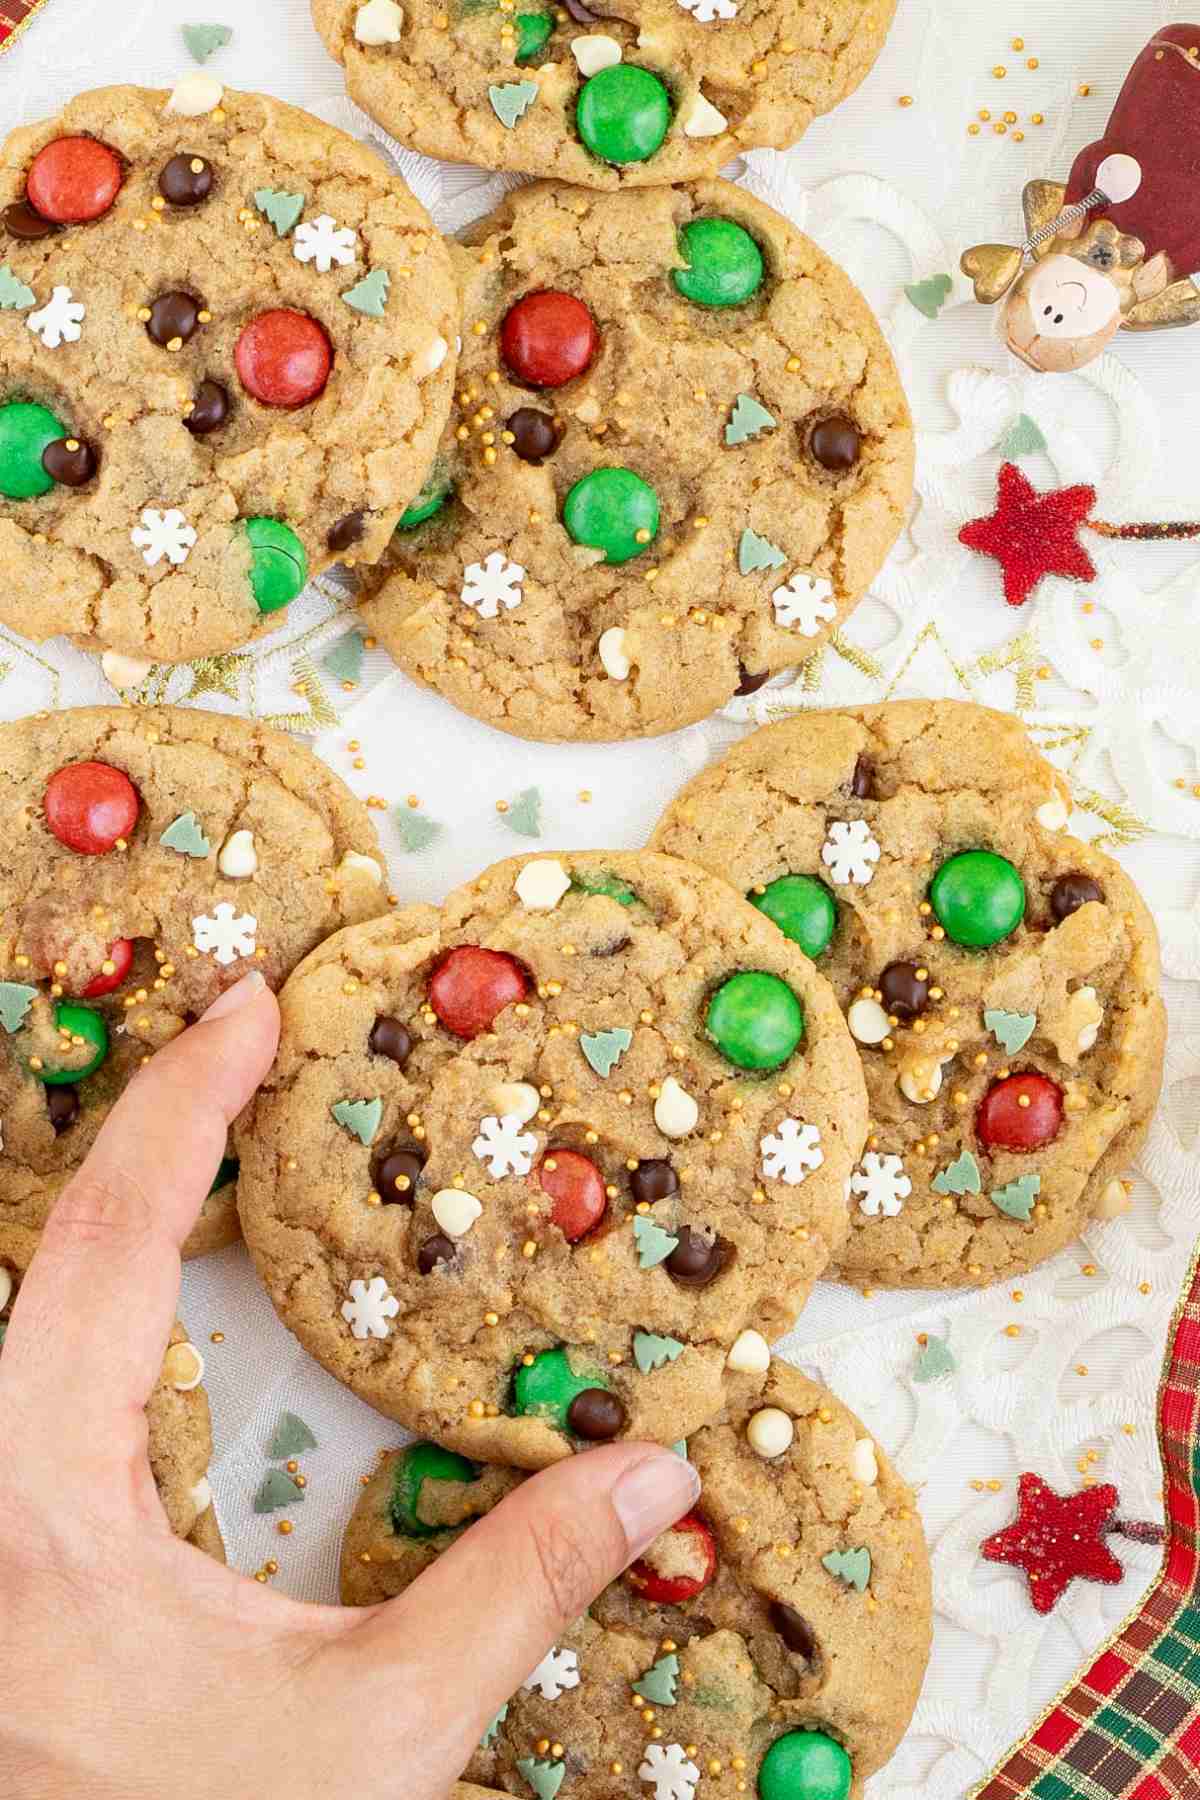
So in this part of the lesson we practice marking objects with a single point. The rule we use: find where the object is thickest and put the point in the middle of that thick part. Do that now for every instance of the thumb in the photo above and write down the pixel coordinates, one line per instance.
(521, 1576)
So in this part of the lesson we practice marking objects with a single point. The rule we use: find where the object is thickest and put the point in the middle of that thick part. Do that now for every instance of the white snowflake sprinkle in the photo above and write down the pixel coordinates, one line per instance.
(321, 242)
(850, 852)
(224, 934)
(670, 1772)
(805, 602)
(791, 1154)
(557, 1671)
(491, 584)
(705, 11)
(370, 1306)
(883, 1185)
(59, 321)
(163, 534)
(504, 1147)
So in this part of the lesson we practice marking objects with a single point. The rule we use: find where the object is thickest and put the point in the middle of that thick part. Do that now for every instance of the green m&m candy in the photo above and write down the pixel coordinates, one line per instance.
(533, 29)
(431, 499)
(85, 1028)
(26, 433)
(227, 1173)
(278, 563)
(725, 265)
(419, 1464)
(805, 1765)
(623, 113)
(978, 898)
(576, 1401)
(803, 908)
(755, 1020)
(612, 510)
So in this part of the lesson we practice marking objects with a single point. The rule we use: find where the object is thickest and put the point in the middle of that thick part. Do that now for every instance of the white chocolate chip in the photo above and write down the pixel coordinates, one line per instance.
(1113, 1202)
(541, 885)
(588, 410)
(704, 120)
(6, 1288)
(675, 1112)
(750, 1355)
(455, 1211)
(612, 653)
(864, 1464)
(183, 1367)
(514, 1100)
(770, 1432)
(868, 1022)
(1091, 1012)
(124, 671)
(195, 95)
(355, 863)
(595, 53)
(1053, 815)
(238, 859)
(378, 22)
(201, 1495)
(921, 1082)
(435, 356)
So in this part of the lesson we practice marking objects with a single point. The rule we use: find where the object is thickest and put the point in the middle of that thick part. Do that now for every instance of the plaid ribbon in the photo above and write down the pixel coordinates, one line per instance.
(1128, 1728)
(14, 17)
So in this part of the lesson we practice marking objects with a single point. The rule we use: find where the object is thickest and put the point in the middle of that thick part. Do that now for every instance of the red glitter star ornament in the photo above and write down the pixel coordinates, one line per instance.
(1057, 1539)
(1032, 535)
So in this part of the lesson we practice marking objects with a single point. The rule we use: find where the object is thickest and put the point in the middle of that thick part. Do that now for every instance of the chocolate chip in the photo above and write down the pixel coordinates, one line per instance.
(582, 14)
(695, 1261)
(862, 782)
(70, 462)
(62, 1104)
(20, 221)
(750, 684)
(611, 947)
(173, 318)
(347, 532)
(653, 1180)
(836, 443)
(397, 1176)
(210, 408)
(535, 434)
(436, 1249)
(905, 989)
(392, 1039)
(1070, 892)
(797, 1634)
(186, 181)
(595, 1415)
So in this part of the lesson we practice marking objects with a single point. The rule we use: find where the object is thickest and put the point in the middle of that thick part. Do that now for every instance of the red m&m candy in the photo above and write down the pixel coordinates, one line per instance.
(471, 987)
(576, 1186)
(1022, 1112)
(678, 1565)
(73, 180)
(283, 358)
(548, 338)
(91, 806)
(120, 957)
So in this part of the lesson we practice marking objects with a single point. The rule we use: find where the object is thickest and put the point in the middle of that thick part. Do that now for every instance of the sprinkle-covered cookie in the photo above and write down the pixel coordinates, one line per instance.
(1000, 978)
(624, 96)
(679, 454)
(226, 356)
(528, 1167)
(180, 1429)
(152, 858)
(749, 1641)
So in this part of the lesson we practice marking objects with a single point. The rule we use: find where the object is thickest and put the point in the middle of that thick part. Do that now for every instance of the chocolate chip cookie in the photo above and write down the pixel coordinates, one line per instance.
(679, 455)
(527, 1167)
(226, 357)
(778, 1634)
(180, 1429)
(1001, 978)
(151, 859)
(631, 95)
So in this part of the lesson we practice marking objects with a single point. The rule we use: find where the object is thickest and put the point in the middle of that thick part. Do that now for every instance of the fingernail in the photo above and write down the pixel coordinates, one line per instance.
(652, 1495)
(239, 995)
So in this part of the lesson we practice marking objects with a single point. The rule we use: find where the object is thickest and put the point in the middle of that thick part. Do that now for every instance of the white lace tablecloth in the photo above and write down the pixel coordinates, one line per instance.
(1123, 719)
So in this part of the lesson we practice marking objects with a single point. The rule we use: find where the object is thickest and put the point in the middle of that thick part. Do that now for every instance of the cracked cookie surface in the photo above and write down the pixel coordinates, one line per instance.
(237, 422)
(644, 502)
(709, 78)
(507, 1180)
(111, 951)
(1001, 977)
(750, 1633)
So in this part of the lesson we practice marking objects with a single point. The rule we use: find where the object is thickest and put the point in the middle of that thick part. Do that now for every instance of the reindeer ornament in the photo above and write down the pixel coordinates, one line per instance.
(1116, 245)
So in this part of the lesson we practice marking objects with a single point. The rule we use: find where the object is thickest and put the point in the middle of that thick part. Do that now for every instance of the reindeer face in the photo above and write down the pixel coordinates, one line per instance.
(1062, 313)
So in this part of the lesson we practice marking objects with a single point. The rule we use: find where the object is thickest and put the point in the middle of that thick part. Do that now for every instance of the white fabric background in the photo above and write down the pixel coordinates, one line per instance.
(1124, 720)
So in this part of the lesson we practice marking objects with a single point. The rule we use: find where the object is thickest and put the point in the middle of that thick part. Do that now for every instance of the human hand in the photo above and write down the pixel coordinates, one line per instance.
(134, 1666)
